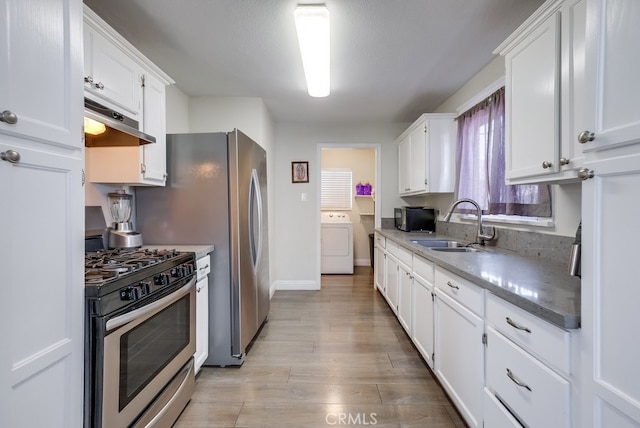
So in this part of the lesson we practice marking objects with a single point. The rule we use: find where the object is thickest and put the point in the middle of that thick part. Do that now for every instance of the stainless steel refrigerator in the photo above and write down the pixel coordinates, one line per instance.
(216, 194)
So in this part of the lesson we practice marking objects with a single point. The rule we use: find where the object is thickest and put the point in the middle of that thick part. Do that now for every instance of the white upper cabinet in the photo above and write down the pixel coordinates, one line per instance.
(426, 152)
(110, 74)
(38, 65)
(612, 75)
(544, 82)
(120, 77)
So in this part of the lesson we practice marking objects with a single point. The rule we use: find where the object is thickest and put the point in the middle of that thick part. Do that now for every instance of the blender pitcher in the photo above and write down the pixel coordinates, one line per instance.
(121, 233)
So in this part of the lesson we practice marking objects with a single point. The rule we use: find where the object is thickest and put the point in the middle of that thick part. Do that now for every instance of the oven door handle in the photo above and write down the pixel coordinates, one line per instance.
(156, 306)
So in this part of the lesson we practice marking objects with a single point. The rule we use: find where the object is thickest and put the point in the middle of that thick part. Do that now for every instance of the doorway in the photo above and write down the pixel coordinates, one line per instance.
(363, 161)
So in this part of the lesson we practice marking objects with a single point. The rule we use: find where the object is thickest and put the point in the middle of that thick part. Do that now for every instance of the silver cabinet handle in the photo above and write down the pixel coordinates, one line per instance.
(546, 164)
(10, 156)
(517, 326)
(9, 117)
(205, 267)
(585, 137)
(564, 161)
(517, 381)
(453, 286)
(585, 174)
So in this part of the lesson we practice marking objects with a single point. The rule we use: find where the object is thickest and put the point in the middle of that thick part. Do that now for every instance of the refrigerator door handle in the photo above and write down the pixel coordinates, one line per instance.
(255, 216)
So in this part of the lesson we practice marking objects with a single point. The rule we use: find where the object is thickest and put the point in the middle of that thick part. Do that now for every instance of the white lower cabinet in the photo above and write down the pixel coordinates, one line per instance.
(496, 414)
(459, 355)
(535, 394)
(391, 277)
(203, 266)
(422, 302)
(405, 279)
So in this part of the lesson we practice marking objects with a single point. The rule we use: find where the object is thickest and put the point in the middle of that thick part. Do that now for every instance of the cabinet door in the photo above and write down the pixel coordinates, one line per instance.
(422, 315)
(39, 70)
(532, 112)
(610, 294)
(391, 282)
(574, 20)
(404, 165)
(202, 322)
(42, 305)
(379, 272)
(417, 153)
(405, 279)
(613, 67)
(155, 155)
(110, 74)
(459, 356)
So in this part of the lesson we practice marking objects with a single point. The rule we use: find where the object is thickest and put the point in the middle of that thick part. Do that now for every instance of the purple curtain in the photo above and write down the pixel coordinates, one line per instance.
(480, 165)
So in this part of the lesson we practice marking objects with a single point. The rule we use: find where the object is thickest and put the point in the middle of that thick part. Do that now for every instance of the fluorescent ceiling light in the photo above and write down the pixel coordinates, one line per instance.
(312, 24)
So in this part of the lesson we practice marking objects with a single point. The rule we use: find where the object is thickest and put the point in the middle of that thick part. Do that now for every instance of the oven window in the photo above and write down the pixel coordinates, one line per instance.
(150, 346)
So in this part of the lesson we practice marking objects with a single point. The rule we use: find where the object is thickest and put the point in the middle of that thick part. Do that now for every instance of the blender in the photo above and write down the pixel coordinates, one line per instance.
(121, 233)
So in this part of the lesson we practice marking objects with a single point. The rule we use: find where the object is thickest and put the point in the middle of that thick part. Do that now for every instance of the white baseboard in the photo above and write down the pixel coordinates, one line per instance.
(295, 285)
(362, 262)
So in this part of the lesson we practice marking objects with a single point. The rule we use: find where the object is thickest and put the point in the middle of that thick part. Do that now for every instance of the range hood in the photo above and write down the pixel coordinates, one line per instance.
(114, 128)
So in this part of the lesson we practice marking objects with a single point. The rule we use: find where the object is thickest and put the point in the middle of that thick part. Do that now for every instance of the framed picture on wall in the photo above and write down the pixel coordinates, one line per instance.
(299, 172)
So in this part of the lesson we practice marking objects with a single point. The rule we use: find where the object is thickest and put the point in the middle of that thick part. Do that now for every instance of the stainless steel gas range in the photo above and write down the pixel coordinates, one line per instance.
(140, 337)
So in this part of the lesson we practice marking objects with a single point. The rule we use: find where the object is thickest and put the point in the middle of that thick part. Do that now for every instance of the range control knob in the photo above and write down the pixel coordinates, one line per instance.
(128, 293)
(161, 279)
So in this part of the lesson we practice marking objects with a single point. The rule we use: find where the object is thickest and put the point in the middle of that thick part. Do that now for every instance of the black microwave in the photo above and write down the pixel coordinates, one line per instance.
(412, 219)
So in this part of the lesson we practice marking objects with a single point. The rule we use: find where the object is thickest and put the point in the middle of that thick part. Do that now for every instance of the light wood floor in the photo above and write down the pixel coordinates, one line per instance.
(335, 357)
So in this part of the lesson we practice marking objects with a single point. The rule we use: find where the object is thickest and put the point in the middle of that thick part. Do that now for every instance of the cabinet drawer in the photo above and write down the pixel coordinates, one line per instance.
(537, 336)
(392, 248)
(496, 415)
(461, 290)
(423, 268)
(542, 397)
(203, 266)
(405, 256)
(380, 240)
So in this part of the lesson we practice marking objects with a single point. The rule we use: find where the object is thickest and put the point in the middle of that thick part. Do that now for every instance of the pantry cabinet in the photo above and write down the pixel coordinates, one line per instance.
(610, 381)
(426, 152)
(41, 160)
(545, 90)
(120, 77)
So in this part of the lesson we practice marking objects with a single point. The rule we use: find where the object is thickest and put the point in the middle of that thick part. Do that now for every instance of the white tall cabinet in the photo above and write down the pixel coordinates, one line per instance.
(41, 251)
(610, 292)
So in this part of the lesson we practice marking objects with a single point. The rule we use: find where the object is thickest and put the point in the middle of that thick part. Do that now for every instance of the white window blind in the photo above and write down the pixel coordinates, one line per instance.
(336, 189)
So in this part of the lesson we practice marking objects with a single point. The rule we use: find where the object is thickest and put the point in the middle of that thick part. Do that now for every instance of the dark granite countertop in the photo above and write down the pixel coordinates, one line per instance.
(542, 288)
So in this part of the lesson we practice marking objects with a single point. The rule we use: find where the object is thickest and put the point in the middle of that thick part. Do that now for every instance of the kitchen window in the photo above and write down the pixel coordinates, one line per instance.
(480, 166)
(336, 189)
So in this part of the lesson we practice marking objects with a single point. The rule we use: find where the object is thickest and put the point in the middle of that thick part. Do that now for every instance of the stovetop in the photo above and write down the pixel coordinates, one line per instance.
(106, 271)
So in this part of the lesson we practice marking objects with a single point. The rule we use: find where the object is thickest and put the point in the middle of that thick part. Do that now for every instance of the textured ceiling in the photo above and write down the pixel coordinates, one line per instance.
(391, 60)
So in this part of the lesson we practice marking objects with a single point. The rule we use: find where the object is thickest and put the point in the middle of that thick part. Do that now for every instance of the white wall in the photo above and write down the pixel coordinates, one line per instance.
(297, 260)
(209, 114)
(566, 197)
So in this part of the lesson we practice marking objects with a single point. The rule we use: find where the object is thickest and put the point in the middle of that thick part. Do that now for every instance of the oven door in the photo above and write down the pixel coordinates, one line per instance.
(143, 350)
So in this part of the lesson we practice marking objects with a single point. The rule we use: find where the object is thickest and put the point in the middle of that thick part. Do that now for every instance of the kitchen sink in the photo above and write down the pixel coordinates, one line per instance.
(439, 243)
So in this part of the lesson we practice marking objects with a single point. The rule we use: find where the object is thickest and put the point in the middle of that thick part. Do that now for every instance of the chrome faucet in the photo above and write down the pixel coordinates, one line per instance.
(481, 235)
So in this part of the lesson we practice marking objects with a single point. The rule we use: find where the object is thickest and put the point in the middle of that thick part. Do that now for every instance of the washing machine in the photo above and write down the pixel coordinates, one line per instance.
(336, 243)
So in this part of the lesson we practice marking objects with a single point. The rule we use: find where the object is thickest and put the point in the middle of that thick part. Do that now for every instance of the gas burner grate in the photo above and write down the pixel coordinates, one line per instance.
(107, 265)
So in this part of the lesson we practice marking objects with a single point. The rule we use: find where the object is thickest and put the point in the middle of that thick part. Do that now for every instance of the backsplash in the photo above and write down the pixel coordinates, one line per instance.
(551, 248)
